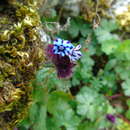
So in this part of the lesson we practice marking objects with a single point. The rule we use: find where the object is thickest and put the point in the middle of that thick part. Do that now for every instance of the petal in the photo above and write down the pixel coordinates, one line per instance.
(55, 47)
(66, 42)
(62, 54)
(69, 45)
(78, 53)
(77, 47)
(75, 55)
(68, 49)
(55, 51)
(58, 41)
(66, 52)
(59, 52)
(73, 58)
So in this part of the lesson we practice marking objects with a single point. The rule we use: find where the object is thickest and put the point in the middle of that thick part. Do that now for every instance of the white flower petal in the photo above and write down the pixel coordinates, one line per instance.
(77, 47)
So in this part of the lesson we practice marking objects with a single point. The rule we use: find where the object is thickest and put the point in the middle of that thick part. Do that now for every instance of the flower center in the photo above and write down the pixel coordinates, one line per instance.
(61, 47)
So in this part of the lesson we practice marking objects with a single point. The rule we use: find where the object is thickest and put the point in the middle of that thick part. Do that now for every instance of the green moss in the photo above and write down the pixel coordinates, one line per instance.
(124, 20)
(21, 53)
(93, 10)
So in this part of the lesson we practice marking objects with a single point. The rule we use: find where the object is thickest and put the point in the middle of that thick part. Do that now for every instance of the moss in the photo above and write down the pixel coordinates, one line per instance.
(124, 19)
(92, 10)
(21, 54)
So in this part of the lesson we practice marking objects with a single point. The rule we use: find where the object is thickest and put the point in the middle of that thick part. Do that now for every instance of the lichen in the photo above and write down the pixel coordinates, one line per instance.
(92, 10)
(124, 19)
(21, 54)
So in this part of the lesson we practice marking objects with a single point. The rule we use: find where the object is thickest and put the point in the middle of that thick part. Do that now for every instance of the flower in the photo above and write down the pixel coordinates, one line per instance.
(111, 118)
(62, 47)
(75, 53)
(63, 55)
(63, 66)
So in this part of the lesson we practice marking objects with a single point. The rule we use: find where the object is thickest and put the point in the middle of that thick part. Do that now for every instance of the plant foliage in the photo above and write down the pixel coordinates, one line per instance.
(83, 102)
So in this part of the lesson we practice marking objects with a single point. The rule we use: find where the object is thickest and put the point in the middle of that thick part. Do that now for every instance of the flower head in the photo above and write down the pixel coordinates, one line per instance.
(63, 66)
(62, 47)
(111, 118)
(64, 55)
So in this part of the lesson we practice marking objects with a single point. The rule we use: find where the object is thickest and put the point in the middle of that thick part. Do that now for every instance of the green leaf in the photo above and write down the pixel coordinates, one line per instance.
(73, 29)
(126, 87)
(42, 74)
(102, 35)
(85, 30)
(24, 124)
(108, 80)
(55, 99)
(111, 64)
(123, 51)
(50, 19)
(64, 35)
(109, 46)
(109, 25)
(38, 95)
(128, 102)
(96, 84)
(120, 67)
(86, 126)
(33, 112)
(51, 124)
(127, 114)
(75, 80)
(40, 123)
(63, 114)
(90, 104)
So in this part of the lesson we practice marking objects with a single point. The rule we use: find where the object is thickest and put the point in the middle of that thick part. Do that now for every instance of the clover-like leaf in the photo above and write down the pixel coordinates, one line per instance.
(63, 114)
(109, 25)
(123, 51)
(90, 103)
(128, 102)
(127, 114)
(85, 29)
(109, 46)
(126, 87)
(102, 35)
(73, 29)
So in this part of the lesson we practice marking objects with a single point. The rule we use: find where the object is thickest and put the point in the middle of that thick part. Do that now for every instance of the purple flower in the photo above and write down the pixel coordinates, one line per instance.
(63, 66)
(62, 47)
(63, 55)
(111, 118)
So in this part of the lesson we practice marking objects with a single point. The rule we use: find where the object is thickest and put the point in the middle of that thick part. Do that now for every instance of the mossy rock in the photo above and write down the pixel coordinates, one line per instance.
(21, 54)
